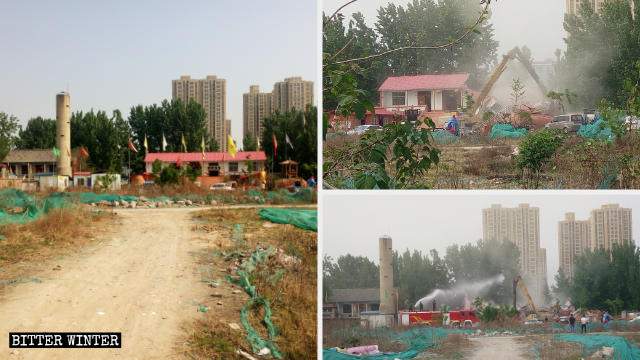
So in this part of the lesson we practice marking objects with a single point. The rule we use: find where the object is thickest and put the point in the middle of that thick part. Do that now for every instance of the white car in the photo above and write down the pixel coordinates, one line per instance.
(361, 129)
(533, 322)
(220, 186)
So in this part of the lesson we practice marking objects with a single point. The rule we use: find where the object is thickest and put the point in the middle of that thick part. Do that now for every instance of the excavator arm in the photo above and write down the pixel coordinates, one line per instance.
(513, 54)
(518, 281)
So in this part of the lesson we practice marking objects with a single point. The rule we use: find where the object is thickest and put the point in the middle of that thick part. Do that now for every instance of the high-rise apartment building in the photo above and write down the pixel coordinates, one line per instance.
(255, 107)
(520, 226)
(610, 225)
(211, 93)
(291, 93)
(573, 239)
(572, 6)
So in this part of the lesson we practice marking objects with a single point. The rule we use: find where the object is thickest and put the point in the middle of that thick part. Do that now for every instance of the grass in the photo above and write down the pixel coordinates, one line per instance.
(545, 347)
(292, 298)
(52, 234)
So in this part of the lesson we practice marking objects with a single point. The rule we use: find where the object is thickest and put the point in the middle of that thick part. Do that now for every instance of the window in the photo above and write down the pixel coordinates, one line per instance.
(397, 98)
(233, 166)
(346, 308)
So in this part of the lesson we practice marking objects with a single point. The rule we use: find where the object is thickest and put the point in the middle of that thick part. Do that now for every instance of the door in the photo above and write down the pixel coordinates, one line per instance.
(424, 99)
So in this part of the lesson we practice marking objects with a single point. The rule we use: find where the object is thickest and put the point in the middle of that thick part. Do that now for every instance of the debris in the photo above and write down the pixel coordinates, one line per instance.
(219, 302)
(188, 202)
(58, 267)
(100, 313)
(264, 351)
(213, 285)
(245, 355)
(213, 202)
(234, 326)
(236, 292)
(216, 295)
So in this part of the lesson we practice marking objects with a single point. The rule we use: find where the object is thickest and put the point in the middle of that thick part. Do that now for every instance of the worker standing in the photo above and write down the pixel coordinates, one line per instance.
(583, 323)
(572, 324)
(452, 125)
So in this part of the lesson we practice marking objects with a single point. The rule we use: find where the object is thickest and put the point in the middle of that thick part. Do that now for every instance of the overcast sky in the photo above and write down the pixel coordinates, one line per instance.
(352, 222)
(537, 24)
(117, 54)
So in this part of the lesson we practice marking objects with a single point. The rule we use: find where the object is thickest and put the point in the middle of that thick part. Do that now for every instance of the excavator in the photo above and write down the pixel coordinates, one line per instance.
(515, 53)
(532, 308)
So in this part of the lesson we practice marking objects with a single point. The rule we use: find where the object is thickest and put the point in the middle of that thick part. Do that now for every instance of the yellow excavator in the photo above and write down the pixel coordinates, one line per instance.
(513, 54)
(532, 314)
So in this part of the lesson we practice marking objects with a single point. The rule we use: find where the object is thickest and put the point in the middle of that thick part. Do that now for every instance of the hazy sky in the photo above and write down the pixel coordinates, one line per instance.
(352, 223)
(116, 54)
(537, 24)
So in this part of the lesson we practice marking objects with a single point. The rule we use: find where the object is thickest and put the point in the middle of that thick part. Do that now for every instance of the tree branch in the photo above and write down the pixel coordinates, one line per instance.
(336, 12)
(480, 19)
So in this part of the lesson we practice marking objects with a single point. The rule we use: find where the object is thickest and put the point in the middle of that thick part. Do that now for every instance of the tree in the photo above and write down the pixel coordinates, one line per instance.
(104, 138)
(517, 92)
(249, 142)
(350, 272)
(300, 127)
(9, 127)
(39, 134)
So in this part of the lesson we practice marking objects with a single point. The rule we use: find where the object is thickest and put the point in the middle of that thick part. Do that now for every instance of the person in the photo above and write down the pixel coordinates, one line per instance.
(606, 318)
(421, 306)
(572, 324)
(311, 182)
(452, 125)
(583, 323)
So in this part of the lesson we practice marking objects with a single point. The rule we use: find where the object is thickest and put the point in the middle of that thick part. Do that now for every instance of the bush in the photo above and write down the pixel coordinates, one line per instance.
(536, 150)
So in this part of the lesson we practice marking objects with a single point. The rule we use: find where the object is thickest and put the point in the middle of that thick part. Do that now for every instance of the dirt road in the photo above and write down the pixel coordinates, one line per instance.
(139, 280)
(497, 348)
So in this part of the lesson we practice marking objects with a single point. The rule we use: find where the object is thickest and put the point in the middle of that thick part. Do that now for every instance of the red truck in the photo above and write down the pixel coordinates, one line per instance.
(459, 318)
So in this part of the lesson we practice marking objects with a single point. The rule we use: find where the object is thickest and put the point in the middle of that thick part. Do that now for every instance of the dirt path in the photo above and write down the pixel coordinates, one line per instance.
(139, 280)
(497, 348)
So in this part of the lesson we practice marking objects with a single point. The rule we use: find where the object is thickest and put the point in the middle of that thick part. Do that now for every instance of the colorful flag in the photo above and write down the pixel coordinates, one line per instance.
(164, 143)
(146, 145)
(131, 147)
(184, 144)
(202, 144)
(232, 147)
(56, 152)
(84, 152)
(275, 144)
(179, 162)
(286, 138)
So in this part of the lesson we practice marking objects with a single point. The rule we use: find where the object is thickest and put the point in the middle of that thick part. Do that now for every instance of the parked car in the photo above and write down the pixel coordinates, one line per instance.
(220, 186)
(567, 123)
(533, 322)
(564, 319)
(361, 129)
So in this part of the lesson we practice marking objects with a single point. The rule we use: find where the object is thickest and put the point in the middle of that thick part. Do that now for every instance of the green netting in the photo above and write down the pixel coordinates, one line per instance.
(622, 349)
(17, 207)
(304, 219)
(419, 340)
(284, 195)
(596, 130)
(501, 131)
(259, 256)
(254, 196)
(444, 137)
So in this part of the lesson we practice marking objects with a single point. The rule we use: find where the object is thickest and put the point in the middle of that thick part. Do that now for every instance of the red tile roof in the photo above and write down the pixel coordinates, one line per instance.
(208, 156)
(424, 82)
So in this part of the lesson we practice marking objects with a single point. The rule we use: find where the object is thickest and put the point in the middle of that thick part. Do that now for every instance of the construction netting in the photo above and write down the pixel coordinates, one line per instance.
(246, 272)
(17, 207)
(596, 130)
(444, 137)
(622, 349)
(304, 219)
(283, 195)
(418, 340)
(502, 131)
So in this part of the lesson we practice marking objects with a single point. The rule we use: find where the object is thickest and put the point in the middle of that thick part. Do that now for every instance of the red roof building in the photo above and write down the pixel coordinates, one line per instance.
(213, 164)
(424, 92)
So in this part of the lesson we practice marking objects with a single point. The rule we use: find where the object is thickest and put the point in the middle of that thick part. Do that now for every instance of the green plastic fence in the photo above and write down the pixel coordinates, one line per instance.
(304, 219)
(502, 131)
(622, 349)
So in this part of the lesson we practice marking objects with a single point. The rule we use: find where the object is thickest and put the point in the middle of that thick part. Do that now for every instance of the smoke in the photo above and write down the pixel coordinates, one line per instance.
(461, 295)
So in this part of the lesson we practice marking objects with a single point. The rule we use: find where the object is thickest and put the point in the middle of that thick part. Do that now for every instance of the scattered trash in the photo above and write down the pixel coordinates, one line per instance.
(201, 307)
(234, 326)
(264, 351)
(245, 355)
